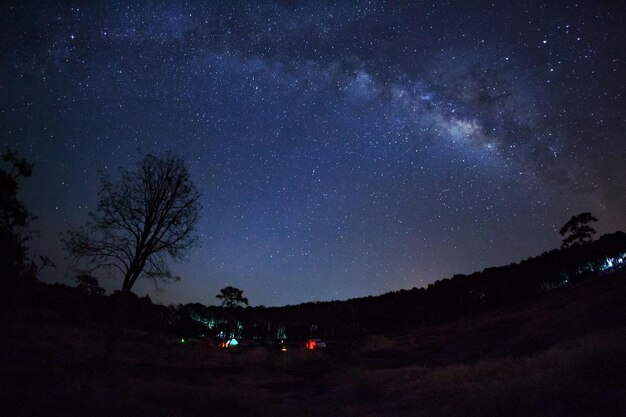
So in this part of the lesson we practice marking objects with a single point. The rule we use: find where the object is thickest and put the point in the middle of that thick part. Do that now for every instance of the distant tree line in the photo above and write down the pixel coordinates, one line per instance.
(443, 300)
(465, 294)
(150, 213)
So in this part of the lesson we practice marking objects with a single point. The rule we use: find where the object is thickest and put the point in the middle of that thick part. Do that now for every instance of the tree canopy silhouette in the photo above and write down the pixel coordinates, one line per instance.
(149, 213)
(578, 229)
(232, 297)
(89, 285)
(14, 217)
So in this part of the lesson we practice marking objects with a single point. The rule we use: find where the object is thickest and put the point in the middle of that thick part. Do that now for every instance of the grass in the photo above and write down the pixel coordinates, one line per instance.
(562, 355)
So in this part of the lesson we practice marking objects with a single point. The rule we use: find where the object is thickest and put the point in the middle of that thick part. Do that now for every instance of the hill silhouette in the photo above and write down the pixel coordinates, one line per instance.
(441, 301)
(559, 352)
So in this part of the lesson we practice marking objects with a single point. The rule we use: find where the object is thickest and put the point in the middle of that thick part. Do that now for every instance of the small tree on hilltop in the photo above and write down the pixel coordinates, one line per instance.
(232, 297)
(89, 285)
(578, 229)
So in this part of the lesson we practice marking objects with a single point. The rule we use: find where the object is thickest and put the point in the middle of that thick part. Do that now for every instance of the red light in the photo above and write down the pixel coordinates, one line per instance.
(310, 344)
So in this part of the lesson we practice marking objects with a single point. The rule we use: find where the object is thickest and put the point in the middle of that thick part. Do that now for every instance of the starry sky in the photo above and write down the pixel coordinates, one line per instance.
(343, 149)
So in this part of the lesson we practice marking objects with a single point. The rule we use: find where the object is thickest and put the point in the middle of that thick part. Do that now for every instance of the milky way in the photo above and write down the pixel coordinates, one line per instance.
(343, 149)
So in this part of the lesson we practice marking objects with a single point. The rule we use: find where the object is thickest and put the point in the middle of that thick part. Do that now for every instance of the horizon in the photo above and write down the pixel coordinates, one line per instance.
(425, 287)
(368, 149)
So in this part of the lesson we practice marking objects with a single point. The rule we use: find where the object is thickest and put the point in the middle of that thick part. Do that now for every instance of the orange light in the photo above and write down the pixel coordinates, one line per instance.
(283, 348)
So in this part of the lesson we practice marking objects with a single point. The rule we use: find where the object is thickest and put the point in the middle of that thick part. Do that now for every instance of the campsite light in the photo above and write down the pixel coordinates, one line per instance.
(282, 346)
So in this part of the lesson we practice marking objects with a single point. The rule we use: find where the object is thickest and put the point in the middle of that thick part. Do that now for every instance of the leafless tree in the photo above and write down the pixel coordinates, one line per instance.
(146, 216)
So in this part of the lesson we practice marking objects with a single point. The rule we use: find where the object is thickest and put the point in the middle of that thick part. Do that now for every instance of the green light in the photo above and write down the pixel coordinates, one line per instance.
(182, 340)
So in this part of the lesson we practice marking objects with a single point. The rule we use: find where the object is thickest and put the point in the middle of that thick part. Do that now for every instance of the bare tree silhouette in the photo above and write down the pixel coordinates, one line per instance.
(141, 220)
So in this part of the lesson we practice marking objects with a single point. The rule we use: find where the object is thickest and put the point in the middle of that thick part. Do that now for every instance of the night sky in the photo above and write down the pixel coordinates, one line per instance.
(343, 149)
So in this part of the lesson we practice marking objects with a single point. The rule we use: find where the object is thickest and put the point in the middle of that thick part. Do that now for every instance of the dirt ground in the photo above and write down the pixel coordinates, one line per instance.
(562, 355)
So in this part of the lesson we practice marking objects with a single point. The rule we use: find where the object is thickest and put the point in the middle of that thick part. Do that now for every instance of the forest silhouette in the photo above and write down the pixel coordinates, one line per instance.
(579, 259)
